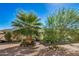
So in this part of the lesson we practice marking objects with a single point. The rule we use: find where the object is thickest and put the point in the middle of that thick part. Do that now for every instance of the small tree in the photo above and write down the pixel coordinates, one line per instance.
(26, 25)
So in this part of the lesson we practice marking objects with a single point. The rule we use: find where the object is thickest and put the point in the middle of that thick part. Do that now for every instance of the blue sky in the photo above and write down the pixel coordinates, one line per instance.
(8, 11)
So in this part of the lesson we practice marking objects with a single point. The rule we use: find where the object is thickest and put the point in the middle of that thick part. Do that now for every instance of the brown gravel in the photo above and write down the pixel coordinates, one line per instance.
(39, 50)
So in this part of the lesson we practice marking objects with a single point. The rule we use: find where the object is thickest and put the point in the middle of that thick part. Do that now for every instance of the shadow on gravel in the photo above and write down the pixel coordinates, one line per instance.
(17, 51)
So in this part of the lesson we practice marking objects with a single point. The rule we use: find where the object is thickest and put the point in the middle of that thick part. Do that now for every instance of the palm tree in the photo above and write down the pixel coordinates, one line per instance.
(60, 24)
(27, 25)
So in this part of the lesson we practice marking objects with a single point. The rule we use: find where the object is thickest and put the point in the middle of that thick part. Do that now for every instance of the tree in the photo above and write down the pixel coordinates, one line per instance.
(60, 25)
(27, 25)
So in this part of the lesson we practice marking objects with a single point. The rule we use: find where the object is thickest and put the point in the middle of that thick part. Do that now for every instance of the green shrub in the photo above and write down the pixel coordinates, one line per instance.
(8, 36)
(57, 37)
(61, 27)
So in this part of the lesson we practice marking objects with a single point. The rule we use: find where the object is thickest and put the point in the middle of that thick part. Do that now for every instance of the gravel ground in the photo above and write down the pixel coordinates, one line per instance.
(13, 49)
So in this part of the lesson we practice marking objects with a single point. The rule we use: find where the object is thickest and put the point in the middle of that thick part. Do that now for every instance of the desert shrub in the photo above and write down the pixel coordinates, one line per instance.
(75, 36)
(61, 27)
(8, 36)
(54, 37)
(25, 43)
(16, 37)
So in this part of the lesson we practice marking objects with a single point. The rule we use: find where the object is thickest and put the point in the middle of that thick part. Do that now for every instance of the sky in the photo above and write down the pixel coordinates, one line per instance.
(8, 11)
